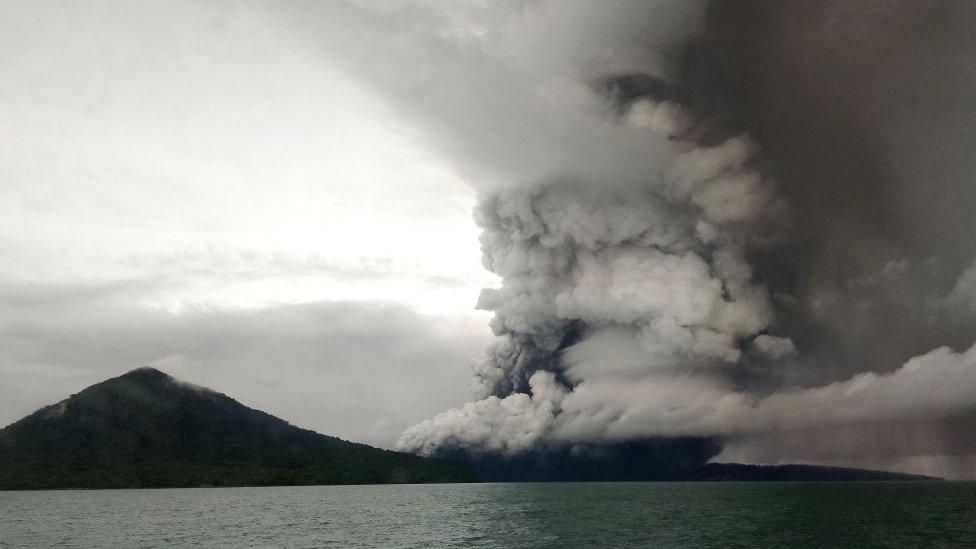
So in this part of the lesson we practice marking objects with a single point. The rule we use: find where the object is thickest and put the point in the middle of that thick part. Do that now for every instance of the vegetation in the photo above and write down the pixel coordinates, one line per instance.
(146, 430)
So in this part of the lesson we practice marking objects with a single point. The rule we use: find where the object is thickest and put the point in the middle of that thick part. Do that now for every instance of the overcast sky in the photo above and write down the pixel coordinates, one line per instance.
(186, 185)
(717, 218)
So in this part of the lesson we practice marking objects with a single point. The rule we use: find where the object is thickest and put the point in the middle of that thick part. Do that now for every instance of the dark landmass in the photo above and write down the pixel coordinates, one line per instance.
(145, 429)
(656, 459)
(738, 471)
(645, 460)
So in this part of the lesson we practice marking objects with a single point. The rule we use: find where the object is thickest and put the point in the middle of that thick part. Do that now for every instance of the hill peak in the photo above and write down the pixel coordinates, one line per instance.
(143, 384)
(144, 374)
(146, 428)
(146, 371)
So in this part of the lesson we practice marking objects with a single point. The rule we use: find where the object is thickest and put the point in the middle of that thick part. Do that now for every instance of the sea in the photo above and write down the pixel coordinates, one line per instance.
(563, 515)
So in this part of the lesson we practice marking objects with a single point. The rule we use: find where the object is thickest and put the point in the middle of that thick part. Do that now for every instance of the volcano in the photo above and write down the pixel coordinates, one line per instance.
(145, 429)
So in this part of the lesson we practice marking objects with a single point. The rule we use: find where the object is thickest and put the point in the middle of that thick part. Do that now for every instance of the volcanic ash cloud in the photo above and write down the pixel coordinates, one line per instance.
(633, 285)
(694, 214)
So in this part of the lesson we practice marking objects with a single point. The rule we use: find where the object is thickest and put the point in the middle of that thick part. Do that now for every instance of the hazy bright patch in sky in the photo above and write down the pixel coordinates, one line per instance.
(204, 144)
(162, 162)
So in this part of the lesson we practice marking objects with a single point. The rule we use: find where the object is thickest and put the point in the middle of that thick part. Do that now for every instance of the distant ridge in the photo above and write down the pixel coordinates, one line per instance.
(742, 472)
(146, 429)
(665, 459)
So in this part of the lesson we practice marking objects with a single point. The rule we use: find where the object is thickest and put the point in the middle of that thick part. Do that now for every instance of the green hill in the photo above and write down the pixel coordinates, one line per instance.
(145, 429)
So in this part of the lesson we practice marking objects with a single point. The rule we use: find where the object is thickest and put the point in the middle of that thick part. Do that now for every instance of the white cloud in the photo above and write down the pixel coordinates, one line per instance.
(132, 132)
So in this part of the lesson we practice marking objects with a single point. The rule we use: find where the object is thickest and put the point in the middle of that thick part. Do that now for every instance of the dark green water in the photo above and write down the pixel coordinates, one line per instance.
(500, 515)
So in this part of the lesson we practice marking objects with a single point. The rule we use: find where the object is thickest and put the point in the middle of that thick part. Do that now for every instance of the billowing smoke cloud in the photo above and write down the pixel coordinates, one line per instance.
(665, 260)
(619, 408)
(711, 219)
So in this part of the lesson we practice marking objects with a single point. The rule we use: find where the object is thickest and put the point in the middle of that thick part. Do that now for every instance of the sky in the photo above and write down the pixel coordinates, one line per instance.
(499, 228)
(187, 186)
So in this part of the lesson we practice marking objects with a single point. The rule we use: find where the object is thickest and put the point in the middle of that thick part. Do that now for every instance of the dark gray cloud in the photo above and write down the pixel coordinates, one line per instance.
(866, 113)
(768, 212)
(504, 92)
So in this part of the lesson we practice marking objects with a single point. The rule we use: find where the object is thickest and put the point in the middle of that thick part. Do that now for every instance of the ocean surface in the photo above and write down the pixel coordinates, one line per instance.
(500, 515)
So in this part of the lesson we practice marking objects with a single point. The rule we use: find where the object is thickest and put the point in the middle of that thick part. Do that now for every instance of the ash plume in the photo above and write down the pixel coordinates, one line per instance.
(741, 222)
